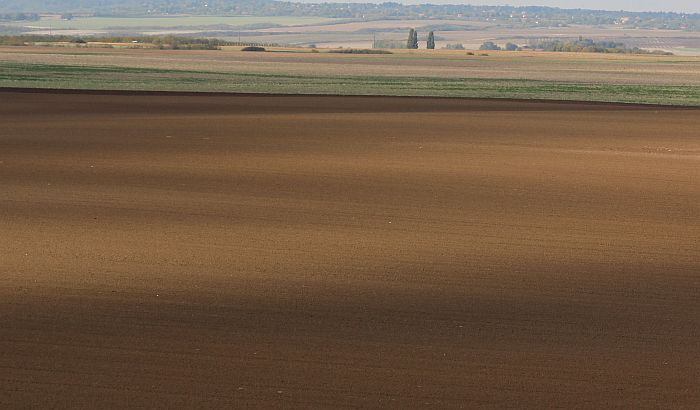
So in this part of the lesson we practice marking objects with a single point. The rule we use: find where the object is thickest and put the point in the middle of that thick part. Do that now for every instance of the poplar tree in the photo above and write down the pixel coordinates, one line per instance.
(431, 41)
(409, 42)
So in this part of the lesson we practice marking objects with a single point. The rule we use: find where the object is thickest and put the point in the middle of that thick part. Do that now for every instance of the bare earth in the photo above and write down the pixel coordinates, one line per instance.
(228, 251)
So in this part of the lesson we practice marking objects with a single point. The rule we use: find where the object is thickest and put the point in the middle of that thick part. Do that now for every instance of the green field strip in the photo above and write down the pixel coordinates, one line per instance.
(149, 79)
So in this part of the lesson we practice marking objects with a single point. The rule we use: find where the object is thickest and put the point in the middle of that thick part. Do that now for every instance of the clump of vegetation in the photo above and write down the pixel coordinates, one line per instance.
(253, 48)
(590, 46)
(20, 17)
(489, 45)
(359, 51)
(388, 44)
(184, 43)
(511, 47)
(455, 46)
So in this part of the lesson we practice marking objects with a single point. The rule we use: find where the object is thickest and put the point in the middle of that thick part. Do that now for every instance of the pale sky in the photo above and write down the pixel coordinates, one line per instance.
(686, 6)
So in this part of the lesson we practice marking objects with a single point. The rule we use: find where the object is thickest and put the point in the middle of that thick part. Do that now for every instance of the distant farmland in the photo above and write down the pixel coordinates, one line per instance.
(328, 32)
(106, 23)
(557, 76)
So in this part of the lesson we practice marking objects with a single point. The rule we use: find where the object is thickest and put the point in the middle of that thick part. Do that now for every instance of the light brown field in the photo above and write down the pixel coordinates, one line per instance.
(238, 251)
(573, 67)
(370, 25)
(475, 33)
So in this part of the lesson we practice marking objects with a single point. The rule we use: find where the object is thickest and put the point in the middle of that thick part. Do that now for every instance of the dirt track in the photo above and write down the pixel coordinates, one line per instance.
(182, 251)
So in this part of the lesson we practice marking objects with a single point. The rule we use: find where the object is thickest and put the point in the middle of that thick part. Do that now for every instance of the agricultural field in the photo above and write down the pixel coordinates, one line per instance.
(327, 32)
(559, 76)
(107, 23)
(228, 251)
(471, 34)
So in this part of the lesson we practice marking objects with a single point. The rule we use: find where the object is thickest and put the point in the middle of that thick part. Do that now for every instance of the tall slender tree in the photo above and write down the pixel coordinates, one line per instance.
(411, 36)
(415, 39)
(431, 41)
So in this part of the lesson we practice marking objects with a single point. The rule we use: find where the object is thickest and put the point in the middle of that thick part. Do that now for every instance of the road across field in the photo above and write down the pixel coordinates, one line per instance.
(200, 251)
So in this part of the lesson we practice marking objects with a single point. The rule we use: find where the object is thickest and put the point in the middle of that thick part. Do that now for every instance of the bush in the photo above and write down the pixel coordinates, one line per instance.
(455, 47)
(489, 45)
(253, 48)
(511, 47)
(359, 51)
(389, 44)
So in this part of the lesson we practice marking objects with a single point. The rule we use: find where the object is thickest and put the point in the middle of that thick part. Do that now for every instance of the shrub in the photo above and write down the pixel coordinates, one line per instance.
(489, 45)
(253, 48)
(455, 47)
(389, 44)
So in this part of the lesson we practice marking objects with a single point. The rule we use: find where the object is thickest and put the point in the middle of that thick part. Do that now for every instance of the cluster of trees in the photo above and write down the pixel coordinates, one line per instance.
(19, 17)
(590, 46)
(580, 45)
(412, 42)
(534, 16)
(490, 45)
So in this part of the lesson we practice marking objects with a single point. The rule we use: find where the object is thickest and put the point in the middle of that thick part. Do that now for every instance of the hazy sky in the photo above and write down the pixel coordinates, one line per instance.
(688, 6)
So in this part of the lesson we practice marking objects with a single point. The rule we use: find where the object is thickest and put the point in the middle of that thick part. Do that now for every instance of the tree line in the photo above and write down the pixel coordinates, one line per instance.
(579, 45)
(20, 17)
(162, 42)
(591, 46)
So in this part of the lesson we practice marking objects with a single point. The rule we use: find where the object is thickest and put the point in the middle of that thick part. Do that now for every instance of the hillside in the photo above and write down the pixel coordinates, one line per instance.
(507, 15)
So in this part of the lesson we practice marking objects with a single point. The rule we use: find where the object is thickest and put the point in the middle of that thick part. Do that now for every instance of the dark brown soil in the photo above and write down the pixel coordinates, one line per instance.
(238, 251)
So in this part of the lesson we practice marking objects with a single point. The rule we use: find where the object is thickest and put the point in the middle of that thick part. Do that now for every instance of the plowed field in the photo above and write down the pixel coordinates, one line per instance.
(176, 250)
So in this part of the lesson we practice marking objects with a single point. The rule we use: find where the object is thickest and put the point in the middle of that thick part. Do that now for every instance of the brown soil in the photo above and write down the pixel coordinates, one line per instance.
(230, 251)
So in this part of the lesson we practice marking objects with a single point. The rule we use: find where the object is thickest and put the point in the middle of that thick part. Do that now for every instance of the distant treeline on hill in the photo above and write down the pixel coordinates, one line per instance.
(20, 17)
(534, 16)
(162, 42)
